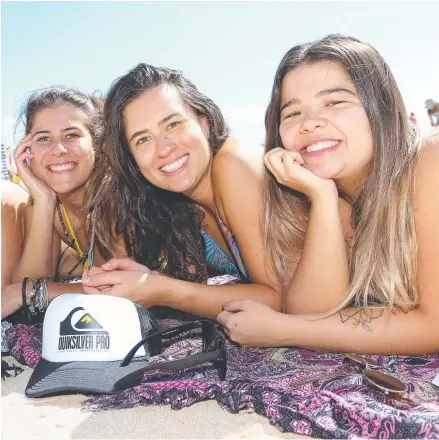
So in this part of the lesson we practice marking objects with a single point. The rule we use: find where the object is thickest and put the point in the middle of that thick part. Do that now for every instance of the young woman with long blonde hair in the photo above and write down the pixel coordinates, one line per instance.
(351, 210)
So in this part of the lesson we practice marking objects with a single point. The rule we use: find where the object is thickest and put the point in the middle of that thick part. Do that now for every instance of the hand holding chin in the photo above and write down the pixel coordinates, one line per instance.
(290, 170)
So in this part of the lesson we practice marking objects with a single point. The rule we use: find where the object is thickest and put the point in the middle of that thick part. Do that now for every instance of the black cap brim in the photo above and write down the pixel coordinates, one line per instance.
(98, 377)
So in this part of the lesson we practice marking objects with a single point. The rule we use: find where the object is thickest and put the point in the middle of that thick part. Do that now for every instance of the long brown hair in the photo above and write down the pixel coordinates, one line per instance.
(382, 255)
(160, 228)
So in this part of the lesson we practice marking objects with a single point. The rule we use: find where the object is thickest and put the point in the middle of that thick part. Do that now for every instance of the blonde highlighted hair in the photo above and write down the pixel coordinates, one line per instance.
(382, 255)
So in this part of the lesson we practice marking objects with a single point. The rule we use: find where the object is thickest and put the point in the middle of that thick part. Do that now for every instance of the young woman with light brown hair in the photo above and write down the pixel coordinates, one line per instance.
(64, 131)
(351, 210)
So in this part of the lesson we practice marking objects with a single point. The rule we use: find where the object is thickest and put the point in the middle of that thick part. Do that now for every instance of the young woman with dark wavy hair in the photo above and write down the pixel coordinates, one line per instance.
(351, 210)
(184, 196)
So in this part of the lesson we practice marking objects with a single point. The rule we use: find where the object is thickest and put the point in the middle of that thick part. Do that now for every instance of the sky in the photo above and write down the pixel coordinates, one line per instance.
(230, 50)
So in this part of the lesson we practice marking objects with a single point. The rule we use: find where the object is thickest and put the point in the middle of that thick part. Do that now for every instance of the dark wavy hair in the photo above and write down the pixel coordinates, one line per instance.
(160, 229)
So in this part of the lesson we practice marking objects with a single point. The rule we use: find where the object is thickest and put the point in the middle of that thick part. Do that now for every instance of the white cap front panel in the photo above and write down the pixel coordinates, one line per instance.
(79, 327)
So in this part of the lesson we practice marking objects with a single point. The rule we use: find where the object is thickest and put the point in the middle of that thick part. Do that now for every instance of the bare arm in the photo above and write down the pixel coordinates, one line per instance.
(13, 204)
(12, 298)
(253, 324)
(42, 244)
(412, 333)
(323, 264)
(202, 299)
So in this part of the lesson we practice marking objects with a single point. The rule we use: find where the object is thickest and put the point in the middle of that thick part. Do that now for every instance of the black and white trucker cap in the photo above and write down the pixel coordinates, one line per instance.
(85, 337)
(103, 344)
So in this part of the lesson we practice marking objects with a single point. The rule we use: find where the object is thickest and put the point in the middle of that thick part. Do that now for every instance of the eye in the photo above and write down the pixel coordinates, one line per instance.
(143, 140)
(72, 135)
(332, 103)
(174, 124)
(291, 115)
(43, 139)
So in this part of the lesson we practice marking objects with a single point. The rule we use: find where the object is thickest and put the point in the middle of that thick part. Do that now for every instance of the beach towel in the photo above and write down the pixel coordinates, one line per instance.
(301, 391)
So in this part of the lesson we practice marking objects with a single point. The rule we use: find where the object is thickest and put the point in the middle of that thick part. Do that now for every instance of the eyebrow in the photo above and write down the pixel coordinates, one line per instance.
(48, 132)
(319, 95)
(161, 122)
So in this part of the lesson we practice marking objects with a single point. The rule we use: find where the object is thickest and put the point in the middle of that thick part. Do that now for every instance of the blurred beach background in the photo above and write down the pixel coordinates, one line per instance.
(230, 50)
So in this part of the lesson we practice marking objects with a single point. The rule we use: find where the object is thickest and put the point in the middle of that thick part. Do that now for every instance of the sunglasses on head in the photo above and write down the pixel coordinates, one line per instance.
(385, 382)
(213, 350)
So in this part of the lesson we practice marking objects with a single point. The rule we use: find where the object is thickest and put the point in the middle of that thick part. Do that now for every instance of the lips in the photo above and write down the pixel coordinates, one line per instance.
(68, 166)
(318, 145)
(176, 165)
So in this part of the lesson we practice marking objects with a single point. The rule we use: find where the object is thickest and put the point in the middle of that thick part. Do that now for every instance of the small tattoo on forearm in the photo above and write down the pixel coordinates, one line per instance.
(361, 317)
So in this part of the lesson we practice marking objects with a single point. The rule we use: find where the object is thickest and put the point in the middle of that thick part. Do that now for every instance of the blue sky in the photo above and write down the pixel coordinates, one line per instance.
(230, 50)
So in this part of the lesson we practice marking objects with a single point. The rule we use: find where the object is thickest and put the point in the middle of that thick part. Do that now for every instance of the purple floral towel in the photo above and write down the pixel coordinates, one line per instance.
(299, 391)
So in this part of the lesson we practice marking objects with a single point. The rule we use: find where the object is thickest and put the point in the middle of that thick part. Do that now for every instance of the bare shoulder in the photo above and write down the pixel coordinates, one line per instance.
(236, 178)
(238, 156)
(426, 182)
(427, 168)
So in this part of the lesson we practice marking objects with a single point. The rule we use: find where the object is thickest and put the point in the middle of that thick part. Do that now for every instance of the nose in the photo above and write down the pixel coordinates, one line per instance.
(165, 148)
(58, 148)
(311, 121)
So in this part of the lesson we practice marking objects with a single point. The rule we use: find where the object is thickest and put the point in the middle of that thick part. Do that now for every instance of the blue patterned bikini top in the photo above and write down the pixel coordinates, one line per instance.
(219, 259)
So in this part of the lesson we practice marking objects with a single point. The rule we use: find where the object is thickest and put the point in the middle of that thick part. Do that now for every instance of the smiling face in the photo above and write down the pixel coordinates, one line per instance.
(62, 147)
(323, 119)
(168, 140)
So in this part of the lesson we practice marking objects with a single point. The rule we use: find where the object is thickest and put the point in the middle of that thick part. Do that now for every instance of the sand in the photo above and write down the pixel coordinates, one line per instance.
(61, 417)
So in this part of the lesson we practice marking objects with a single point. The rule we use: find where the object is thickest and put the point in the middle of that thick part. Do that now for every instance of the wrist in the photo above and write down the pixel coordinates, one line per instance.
(166, 290)
(45, 203)
(324, 196)
(285, 330)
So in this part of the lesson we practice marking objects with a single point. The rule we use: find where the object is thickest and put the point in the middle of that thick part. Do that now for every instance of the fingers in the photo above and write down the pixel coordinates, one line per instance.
(268, 157)
(237, 305)
(25, 143)
(223, 318)
(105, 279)
(90, 290)
(21, 153)
(124, 264)
(101, 279)
(93, 271)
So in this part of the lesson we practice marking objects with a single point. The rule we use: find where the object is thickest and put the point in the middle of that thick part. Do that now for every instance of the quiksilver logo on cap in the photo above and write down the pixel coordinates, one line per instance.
(83, 333)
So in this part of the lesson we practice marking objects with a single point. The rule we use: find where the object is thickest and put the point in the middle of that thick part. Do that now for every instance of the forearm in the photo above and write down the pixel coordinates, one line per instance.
(205, 300)
(12, 295)
(321, 279)
(37, 259)
(412, 333)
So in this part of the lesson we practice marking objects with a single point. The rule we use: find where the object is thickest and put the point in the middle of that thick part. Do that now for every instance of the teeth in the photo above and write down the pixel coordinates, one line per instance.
(67, 166)
(321, 145)
(175, 165)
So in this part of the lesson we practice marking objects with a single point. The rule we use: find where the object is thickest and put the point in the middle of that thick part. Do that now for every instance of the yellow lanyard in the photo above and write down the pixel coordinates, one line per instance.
(72, 233)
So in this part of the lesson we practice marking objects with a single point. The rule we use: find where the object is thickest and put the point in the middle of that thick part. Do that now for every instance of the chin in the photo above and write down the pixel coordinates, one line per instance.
(65, 188)
(324, 170)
